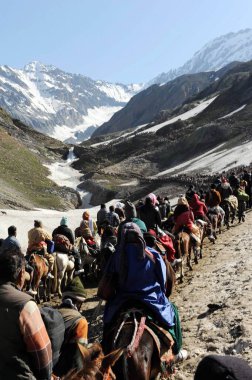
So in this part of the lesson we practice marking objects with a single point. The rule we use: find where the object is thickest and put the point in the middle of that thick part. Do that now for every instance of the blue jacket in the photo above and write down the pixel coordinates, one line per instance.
(144, 281)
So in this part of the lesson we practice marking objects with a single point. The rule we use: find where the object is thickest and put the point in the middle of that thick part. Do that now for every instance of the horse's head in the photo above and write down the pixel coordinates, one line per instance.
(32, 259)
(95, 364)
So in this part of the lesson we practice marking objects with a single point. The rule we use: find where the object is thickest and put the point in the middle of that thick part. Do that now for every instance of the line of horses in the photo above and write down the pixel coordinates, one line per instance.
(135, 350)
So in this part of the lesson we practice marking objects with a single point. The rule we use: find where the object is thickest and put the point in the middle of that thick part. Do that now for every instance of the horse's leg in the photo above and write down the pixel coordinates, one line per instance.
(36, 281)
(187, 251)
(44, 282)
(59, 282)
(180, 256)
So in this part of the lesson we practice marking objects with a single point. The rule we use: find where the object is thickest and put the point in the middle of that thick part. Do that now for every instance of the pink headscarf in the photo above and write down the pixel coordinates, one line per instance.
(153, 199)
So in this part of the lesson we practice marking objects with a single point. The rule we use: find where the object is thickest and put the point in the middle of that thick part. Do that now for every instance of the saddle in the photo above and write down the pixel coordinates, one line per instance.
(143, 319)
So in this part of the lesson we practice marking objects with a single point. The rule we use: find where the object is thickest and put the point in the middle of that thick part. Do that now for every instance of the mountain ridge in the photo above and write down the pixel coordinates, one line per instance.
(59, 103)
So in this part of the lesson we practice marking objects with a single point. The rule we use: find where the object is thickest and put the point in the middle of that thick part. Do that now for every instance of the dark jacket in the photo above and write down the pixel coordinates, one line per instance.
(14, 360)
(150, 216)
(102, 216)
(66, 231)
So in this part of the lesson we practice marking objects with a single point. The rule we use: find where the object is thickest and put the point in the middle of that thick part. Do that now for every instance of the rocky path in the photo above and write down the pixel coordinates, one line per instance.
(215, 301)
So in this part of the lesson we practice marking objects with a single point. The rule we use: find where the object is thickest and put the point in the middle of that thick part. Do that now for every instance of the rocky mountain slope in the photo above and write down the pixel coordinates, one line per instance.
(165, 91)
(23, 177)
(146, 106)
(216, 120)
(63, 105)
(214, 55)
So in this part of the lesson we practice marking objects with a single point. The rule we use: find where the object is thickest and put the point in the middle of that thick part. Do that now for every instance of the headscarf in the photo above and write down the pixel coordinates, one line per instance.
(85, 215)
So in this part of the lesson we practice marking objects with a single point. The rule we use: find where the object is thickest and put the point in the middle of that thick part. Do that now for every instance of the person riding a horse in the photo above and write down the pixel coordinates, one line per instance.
(184, 220)
(140, 278)
(200, 212)
(213, 200)
(91, 223)
(37, 242)
(64, 230)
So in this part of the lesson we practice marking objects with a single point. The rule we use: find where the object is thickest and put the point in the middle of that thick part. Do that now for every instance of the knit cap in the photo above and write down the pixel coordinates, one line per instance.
(64, 221)
(218, 367)
(130, 210)
(75, 290)
(140, 224)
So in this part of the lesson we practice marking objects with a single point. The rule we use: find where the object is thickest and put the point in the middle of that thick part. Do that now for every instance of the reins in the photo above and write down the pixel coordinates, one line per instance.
(139, 328)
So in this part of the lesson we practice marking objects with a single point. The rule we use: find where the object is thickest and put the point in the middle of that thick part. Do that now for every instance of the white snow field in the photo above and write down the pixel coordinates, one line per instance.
(184, 116)
(215, 160)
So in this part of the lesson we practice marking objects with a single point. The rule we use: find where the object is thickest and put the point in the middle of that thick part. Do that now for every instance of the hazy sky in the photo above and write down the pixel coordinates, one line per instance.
(116, 40)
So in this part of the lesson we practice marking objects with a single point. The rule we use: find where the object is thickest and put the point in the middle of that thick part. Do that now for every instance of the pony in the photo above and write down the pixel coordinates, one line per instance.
(96, 365)
(65, 271)
(183, 250)
(90, 261)
(215, 222)
(40, 274)
(147, 349)
(230, 211)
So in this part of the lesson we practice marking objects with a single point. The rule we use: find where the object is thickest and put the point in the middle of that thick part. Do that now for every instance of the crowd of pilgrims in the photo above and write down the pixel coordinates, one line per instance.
(134, 242)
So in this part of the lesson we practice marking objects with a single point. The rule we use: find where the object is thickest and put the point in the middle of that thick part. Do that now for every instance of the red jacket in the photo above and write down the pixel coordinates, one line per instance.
(199, 208)
(184, 219)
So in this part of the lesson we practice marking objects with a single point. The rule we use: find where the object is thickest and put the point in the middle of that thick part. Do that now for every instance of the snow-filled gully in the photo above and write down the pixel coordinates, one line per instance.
(64, 175)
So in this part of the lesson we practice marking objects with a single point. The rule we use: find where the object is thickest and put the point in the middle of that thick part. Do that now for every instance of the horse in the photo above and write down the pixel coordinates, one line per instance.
(230, 212)
(96, 365)
(241, 210)
(215, 222)
(40, 274)
(147, 349)
(65, 271)
(183, 249)
(90, 260)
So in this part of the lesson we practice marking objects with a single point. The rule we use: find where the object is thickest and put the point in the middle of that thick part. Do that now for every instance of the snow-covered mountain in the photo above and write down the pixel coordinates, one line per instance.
(63, 105)
(213, 56)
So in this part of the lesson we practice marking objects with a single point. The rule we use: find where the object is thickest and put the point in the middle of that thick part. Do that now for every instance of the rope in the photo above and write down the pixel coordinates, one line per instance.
(138, 332)
(120, 328)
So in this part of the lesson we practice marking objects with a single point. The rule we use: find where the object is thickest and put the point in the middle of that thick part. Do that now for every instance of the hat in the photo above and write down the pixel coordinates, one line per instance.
(75, 290)
(140, 224)
(130, 210)
(219, 367)
(64, 221)
(38, 223)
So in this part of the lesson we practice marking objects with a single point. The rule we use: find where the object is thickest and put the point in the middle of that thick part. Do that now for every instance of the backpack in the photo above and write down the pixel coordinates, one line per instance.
(55, 327)
(242, 196)
(50, 246)
(62, 243)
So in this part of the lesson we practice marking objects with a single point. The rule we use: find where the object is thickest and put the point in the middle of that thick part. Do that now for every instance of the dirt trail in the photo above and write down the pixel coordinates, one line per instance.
(223, 280)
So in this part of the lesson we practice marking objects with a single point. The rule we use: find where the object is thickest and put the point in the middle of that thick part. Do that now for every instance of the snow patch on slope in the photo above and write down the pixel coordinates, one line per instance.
(215, 160)
(95, 117)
